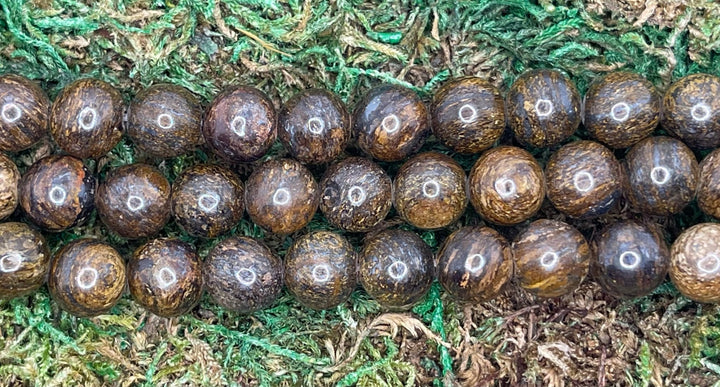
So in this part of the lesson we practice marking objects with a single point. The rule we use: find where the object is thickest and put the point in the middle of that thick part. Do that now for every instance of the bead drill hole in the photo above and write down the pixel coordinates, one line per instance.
(57, 195)
(165, 277)
(238, 125)
(620, 112)
(321, 273)
(356, 195)
(316, 125)
(208, 202)
(549, 260)
(660, 175)
(467, 114)
(246, 276)
(87, 278)
(431, 189)
(10, 262)
(544, 107)
(135, 203)
(281, 197)
(709, 264)
(474, 263)
(629, 260)
(165, 121)
(583, 181)
(391, 123)
(88, 118)
(700, 112)
(397, 270)
(11, 112)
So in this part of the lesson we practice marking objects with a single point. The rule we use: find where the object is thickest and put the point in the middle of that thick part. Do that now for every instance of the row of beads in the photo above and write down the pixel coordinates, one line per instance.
(468, 115)
(549, 259)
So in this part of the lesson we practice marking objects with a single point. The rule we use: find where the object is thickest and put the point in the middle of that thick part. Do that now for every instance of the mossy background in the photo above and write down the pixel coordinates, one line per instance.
(583, 339)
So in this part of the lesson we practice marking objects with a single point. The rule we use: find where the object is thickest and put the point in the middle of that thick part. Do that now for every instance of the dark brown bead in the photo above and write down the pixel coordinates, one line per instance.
(57, 192)
(243, 275)
(430, 191)
(240, 124)
(506, 185)
(621, 109)
(320, 270)
(207, 200)
(543, 108)
(24, 260)
(9, 181)
(468, 115)
(552, 258)
(281, 196)
(164, 121)
(134, 201)
(662, 175)
(314, 126)
(356, 194)
(87, 277)
(474, 263)
(24, 113)
(390, 123)
(631, 259)
(584, 179)
(695, 263)
(396, 268)
(86, 118)
(691, 110)
(708, 188)
(165, 277)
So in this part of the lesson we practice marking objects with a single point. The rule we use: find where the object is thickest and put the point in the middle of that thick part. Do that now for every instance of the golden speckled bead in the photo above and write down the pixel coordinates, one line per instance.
(281, 196)
(468, 115)
(134, 201)
(243, 275)
(165, 277)
(691, 110)
(695, 263)
(552, 258)
(57, 192)
(584, 179)
(86, 118)
(87, 277)
(164, 121)
(356, 194)
(314, 126)
(396, 268)
(24, 112)
(390, 123)
(240, 124)
(631, 259)
(430, 191)
(507, 185)
(543, 108)
(708, 188)
(320, 270)
(662, 175)
(24, 260)
(621, 109)
(207, 200)
(474, 263)
(9, 181)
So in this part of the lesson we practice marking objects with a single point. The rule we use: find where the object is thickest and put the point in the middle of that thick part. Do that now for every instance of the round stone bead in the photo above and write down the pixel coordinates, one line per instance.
(708, 187)
(695, 263)
(24, 113)
(691, 110)
(24, 260)
(9, 181)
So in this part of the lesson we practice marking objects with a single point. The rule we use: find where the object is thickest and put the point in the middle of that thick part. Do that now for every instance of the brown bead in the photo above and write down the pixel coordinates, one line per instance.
(281, 196)
(691, 110)
(24, 260)
(320, 270)
(87, 277)
(207, 200)
(695, 263)
(24, 112)
(662, 175)
(396, 268)
(243, 275)
(134, 201)
(621, 109)
(474, 263)
(584, 179)
(314, 126)
(468, 115)
(390, 123)
(86, 118)
(57, 192)
(552, 258)
(430, 191)
(165, 277)
(631, 259)
(9, 181)
(543, 108)
(506, 185)
(708, 188)
(240, 124)
(356, 194)
(164, 121)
